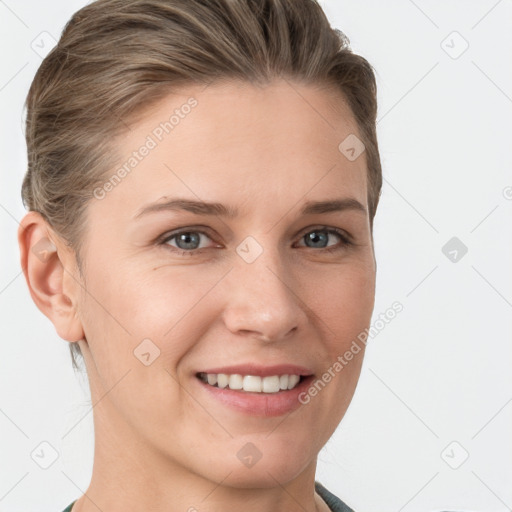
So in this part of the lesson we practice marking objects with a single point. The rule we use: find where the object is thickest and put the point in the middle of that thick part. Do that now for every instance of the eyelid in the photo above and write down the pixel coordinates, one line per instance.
(329, 229)
(347, 240)
(169, 235)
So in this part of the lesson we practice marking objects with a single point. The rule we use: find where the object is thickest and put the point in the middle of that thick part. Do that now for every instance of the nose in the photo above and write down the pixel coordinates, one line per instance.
(262, 302)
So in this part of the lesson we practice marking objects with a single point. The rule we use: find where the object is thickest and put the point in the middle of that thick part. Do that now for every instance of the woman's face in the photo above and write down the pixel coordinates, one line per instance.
(255, 282)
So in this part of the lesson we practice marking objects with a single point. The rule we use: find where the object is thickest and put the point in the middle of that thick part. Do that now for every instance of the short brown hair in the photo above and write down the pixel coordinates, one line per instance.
(116, 57)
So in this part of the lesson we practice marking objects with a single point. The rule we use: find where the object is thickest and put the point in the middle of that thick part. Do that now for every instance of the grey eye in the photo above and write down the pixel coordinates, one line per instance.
(318, 238)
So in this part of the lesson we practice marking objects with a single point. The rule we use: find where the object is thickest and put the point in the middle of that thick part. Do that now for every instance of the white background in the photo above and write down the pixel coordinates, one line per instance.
(439, 373)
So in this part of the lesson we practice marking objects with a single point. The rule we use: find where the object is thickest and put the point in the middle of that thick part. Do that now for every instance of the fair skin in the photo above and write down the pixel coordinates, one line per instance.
(162, 443)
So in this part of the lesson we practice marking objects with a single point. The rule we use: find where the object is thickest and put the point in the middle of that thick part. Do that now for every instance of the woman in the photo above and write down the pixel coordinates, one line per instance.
(202, 183)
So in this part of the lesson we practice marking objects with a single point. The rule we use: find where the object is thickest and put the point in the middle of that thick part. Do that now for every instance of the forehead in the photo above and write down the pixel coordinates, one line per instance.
(239, 143)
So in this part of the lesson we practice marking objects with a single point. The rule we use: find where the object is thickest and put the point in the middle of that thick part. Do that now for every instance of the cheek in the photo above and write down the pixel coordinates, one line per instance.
(343, 301)
(147, 301)
(171, 306)
(153, 315)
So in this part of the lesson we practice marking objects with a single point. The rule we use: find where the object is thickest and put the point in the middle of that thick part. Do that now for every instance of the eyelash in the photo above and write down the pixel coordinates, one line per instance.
(345, 241)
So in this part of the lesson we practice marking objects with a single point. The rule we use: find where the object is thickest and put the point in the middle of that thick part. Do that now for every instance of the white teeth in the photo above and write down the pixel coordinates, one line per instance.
(235, 381)
(222, 380)
(271, 384)
(252, 383)
(292, 381)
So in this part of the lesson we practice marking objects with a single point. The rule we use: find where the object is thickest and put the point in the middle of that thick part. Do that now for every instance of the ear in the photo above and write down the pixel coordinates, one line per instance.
(51, 273)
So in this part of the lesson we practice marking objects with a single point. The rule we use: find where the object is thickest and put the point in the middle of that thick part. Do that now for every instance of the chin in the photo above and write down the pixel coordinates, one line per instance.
(250, 467)
(261, 475)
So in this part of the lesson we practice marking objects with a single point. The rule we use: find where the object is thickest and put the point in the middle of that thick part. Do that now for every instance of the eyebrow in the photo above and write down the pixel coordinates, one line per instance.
(219, 209)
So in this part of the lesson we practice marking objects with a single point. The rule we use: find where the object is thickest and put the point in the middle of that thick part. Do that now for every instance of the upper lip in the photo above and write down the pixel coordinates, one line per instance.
(261, 371)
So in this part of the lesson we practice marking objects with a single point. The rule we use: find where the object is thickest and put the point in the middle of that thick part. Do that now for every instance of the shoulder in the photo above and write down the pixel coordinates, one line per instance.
(68, 508)
(334, 503)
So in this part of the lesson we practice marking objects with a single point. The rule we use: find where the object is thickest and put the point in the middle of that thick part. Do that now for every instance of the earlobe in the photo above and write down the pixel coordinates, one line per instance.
(45, 261)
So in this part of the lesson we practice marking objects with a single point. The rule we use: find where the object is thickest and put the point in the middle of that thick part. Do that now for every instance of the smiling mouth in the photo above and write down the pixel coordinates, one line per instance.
(252, 383)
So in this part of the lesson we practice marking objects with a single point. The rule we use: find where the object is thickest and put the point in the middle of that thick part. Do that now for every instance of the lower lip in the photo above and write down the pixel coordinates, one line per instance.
(259, 404)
